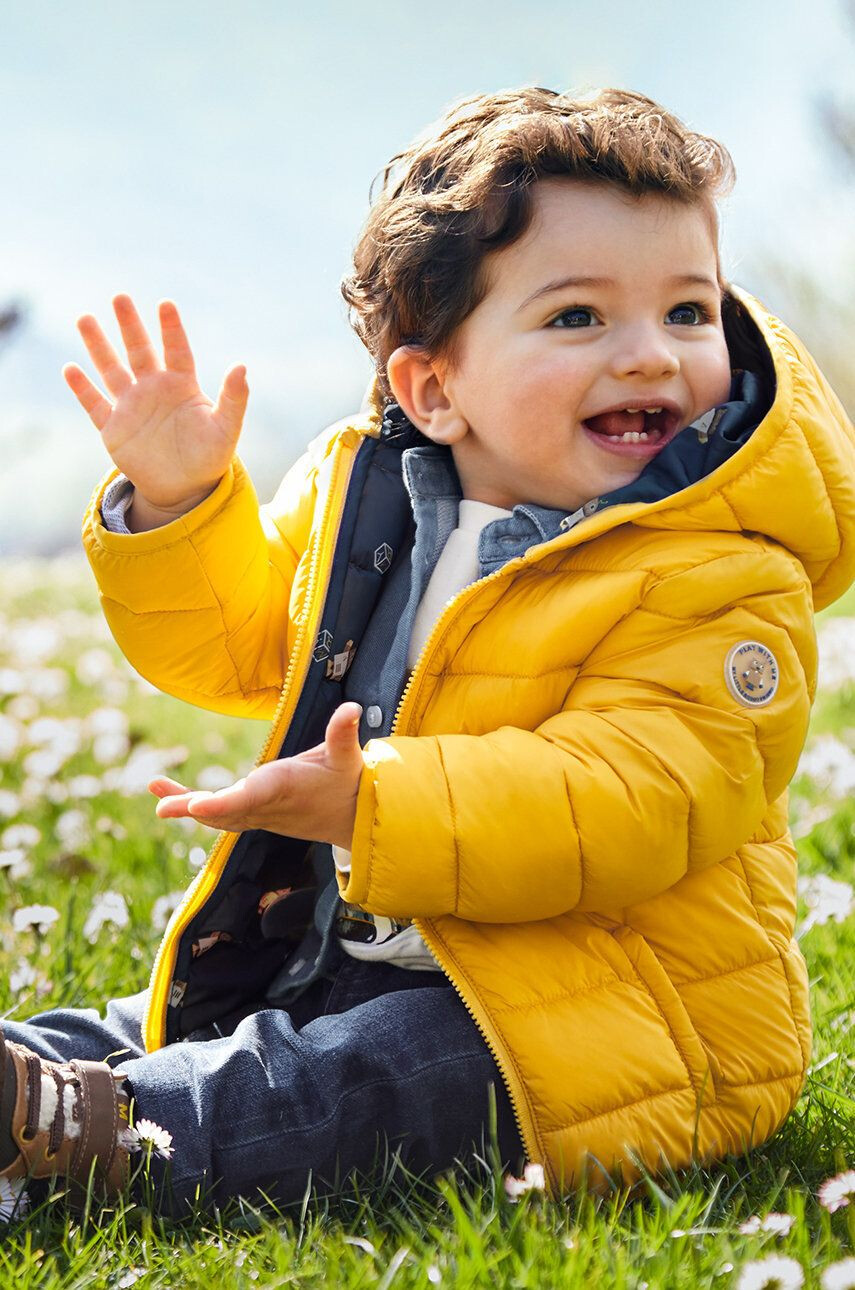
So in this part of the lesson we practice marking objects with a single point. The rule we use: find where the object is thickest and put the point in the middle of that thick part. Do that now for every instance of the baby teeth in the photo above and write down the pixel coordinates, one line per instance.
(635, 436)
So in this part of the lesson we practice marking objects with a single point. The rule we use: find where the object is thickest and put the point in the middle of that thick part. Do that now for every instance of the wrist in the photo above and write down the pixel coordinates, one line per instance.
(344, 827)
(143, 515)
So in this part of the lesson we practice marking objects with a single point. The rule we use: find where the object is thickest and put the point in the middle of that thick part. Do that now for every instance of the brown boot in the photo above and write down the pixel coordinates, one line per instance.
(59, 1118)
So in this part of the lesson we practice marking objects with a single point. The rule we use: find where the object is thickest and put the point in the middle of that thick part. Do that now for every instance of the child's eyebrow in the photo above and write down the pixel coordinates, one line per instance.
(561, 284)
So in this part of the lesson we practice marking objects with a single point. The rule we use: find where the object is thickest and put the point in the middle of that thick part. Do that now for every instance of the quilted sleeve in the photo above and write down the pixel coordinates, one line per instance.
(655, 767)
(201, 606)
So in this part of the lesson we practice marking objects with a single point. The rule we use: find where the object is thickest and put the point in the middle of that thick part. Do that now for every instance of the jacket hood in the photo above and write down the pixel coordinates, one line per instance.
(793, 478)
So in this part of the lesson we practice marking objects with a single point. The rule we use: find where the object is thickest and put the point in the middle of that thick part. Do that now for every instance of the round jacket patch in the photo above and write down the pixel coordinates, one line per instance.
(751, 672)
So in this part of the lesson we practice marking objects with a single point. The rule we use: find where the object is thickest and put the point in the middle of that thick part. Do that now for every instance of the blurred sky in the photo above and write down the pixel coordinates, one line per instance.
(221, 154)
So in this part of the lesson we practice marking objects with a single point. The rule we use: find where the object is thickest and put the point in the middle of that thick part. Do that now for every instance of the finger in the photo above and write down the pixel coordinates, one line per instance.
(231, 401)
(163, 786)
(342, 735)
(176, 808)
(173, 807)
(236, 800)
(88, 395)
(141, 355)
(177, 354)
(107, 361)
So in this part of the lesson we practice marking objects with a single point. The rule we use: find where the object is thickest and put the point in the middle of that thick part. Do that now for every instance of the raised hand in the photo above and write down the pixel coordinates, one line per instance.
(312, 795)
(160, 429)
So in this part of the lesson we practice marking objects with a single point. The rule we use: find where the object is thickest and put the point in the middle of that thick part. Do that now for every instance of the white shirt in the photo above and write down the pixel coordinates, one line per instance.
(456, 567)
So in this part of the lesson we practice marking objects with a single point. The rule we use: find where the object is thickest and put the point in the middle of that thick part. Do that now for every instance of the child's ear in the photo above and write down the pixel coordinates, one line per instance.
(418, 385)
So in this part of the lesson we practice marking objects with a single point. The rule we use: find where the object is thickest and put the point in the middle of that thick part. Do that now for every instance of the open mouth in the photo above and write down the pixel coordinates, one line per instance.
(652, 427)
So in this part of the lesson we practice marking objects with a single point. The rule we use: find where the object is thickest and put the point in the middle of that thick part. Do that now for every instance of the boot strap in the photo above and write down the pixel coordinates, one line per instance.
(99, 1132)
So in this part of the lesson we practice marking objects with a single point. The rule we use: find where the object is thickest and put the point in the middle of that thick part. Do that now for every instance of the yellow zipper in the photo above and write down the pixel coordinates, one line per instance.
(476, 1009)
(154, 1017)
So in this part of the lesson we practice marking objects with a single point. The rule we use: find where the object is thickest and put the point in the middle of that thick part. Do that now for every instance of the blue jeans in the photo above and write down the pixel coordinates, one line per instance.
(370, 1060)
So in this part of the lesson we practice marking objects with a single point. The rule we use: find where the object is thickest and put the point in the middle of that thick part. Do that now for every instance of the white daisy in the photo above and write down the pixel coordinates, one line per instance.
(36, 790)
(210, 778)
(23, 707)
(839, 1276)
(532, 1180)
(109, 907)
(107, 721)
(197, 856)
(46, 683)
(14, 1201)
(20, 835)
(22, 977)
(836, 653)
(163, 908)
(36, 918)
(143, 764)
(33, 639)
(11, 737)
(835, 1193)
(148, 1136)
(11, 681)
(44, 763)
(831, 764)
(826, 899)
(73, 830)
(105, 825)
(94, 665)
(10, 804)
(772, 1273)
(110, 747)
(15, 862)
(778, 1224)
(61, 735)
(84, 786)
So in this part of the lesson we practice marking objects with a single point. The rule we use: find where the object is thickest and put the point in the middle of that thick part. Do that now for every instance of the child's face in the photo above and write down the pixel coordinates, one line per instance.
(542, 359)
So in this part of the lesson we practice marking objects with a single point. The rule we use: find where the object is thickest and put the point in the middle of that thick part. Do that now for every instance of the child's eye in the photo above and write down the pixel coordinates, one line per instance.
(691, 314)
(577, 317)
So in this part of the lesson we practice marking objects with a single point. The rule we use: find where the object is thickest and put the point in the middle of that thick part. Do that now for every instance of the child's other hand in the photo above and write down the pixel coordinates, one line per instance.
(312, 795)
(170, 440)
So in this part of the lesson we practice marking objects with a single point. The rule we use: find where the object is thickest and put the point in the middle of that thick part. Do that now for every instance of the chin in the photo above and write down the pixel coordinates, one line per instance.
(624, 477)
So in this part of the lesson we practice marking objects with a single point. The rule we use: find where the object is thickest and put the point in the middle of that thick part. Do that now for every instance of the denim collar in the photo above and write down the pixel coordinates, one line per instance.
(431, 478)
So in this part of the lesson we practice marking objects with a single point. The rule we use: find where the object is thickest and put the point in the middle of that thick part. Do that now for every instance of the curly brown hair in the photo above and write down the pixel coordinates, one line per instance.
(464, 189)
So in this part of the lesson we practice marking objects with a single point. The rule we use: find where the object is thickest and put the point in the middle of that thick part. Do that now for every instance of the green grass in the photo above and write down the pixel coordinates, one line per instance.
(459, 1230)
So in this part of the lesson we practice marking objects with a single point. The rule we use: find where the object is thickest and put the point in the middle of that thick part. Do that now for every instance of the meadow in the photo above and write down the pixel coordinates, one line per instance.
(89, 876)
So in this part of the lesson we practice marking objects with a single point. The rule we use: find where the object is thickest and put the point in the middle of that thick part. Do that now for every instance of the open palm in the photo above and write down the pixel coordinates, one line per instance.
(161, 430)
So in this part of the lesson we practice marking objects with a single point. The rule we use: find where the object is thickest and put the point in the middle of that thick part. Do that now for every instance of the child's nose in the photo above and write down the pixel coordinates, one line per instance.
(646, 351)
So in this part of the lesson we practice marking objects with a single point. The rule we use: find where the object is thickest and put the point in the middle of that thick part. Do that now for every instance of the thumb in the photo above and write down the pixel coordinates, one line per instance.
(342, 736)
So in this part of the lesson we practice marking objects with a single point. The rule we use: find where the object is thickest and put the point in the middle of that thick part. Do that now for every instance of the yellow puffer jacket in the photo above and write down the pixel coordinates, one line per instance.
(585, 816)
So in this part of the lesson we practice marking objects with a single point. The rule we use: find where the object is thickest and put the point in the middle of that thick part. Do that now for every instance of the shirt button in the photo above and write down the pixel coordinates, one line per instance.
(374, 716)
